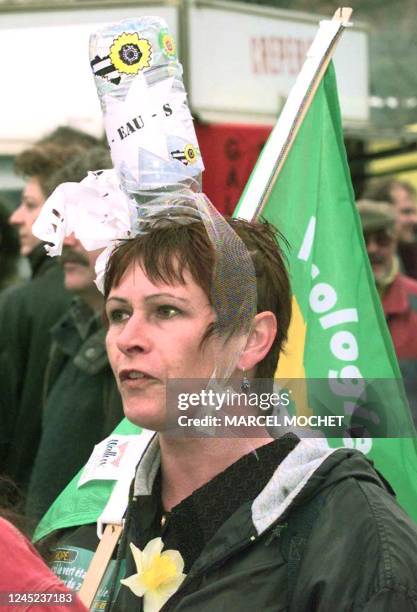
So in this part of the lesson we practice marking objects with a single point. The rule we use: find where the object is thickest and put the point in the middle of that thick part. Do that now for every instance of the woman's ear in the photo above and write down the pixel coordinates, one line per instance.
(261, 337)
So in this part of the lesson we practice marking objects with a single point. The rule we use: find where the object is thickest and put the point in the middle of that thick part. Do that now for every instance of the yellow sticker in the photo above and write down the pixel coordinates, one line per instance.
(129, 54)
(191, 154)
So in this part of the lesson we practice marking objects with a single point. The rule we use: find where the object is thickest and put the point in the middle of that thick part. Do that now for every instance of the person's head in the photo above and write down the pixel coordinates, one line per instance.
(77, 261)
(378, 224)
(66, 136)
(36, 165)
(161, 315)
(9, 246)
(402, 196)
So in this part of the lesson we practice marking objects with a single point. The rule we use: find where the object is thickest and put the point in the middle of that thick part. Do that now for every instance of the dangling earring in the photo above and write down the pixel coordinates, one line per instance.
(245, 384)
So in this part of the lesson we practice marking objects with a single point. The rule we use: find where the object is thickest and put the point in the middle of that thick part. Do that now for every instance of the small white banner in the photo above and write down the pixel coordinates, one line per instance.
(111, 457)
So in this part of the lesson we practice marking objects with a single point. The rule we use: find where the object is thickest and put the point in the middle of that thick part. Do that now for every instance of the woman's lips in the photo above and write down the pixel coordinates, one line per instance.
(135, 379)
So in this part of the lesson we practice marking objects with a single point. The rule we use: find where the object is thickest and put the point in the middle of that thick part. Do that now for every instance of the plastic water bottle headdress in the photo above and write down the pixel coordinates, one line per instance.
(148, 123)
(157, 166)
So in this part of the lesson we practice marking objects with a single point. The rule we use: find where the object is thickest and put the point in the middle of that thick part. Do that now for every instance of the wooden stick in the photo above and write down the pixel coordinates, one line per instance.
(99, 564)
(343, 15)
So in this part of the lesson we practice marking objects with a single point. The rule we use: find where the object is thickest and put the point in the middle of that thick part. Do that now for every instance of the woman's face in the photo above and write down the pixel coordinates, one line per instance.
(155, 333)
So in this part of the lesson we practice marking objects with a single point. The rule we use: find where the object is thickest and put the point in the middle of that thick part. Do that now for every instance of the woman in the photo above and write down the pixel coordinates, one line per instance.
(233, 523)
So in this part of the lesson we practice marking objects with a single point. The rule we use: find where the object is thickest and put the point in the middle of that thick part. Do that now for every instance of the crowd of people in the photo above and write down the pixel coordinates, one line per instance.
(64, 389)
(389, 220)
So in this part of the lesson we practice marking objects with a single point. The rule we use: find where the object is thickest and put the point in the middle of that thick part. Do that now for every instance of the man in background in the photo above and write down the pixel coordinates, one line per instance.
(9, 250)
(82, 404)
(402, 196)
(398, 292)
(27, 313)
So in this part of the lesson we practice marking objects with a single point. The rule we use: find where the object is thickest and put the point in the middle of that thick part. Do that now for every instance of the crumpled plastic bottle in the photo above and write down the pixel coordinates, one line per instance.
(148, 123)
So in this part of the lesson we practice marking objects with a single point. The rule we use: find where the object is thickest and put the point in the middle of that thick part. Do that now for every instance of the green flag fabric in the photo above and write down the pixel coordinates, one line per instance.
(81, 505)
(339, 342)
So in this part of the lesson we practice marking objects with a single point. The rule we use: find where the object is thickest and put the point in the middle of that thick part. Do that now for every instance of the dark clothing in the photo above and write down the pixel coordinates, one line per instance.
(208, 508)
(316, 529)
(82, 405)
(27, 313)
(39, 261)
(400, 307)
(407, 252)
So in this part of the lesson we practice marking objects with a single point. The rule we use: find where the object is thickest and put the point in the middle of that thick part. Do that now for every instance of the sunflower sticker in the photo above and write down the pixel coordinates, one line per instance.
(129, 53)
(190, 153)
(167, 44)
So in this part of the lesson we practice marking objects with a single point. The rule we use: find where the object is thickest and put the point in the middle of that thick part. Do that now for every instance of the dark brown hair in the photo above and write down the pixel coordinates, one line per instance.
(66, 136)
(165, 252)
(12, 510)
(78, 166)
(11, 504)
(42, 161)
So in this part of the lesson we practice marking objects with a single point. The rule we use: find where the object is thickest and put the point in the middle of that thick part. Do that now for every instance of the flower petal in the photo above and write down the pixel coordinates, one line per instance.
(151, 550)
(176, 558)
(154, 600)
(160, 596)
(169, 588)
(135, 584)
(138, 557)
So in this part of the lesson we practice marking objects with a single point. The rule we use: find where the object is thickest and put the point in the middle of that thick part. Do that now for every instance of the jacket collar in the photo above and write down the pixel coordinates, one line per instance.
(287, 482)
(79, 334)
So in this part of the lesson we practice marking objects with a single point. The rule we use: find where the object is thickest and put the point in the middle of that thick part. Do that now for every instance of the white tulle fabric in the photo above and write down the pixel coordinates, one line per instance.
(96, 211)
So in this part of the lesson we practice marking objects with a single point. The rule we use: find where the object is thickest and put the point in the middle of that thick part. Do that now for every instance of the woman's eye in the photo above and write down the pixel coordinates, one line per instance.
(117, 316)
(32, 206)
(167, 312)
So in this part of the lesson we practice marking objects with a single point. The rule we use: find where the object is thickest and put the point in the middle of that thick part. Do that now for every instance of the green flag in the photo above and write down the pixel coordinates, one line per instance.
(339, 342)
(81, 505)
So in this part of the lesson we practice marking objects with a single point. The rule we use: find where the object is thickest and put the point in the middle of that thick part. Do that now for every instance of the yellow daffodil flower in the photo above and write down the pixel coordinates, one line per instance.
(159, 574)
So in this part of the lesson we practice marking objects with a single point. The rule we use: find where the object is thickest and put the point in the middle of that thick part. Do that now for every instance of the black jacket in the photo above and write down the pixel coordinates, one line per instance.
(82, 405)
(27, 314)
(323, 535)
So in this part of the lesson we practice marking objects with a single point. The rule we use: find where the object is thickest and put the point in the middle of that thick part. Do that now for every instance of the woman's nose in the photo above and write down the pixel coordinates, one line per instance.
(135, 336)
(17, 216)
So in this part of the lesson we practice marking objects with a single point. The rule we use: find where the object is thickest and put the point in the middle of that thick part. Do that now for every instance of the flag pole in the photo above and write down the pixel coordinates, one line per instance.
(282, 137)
